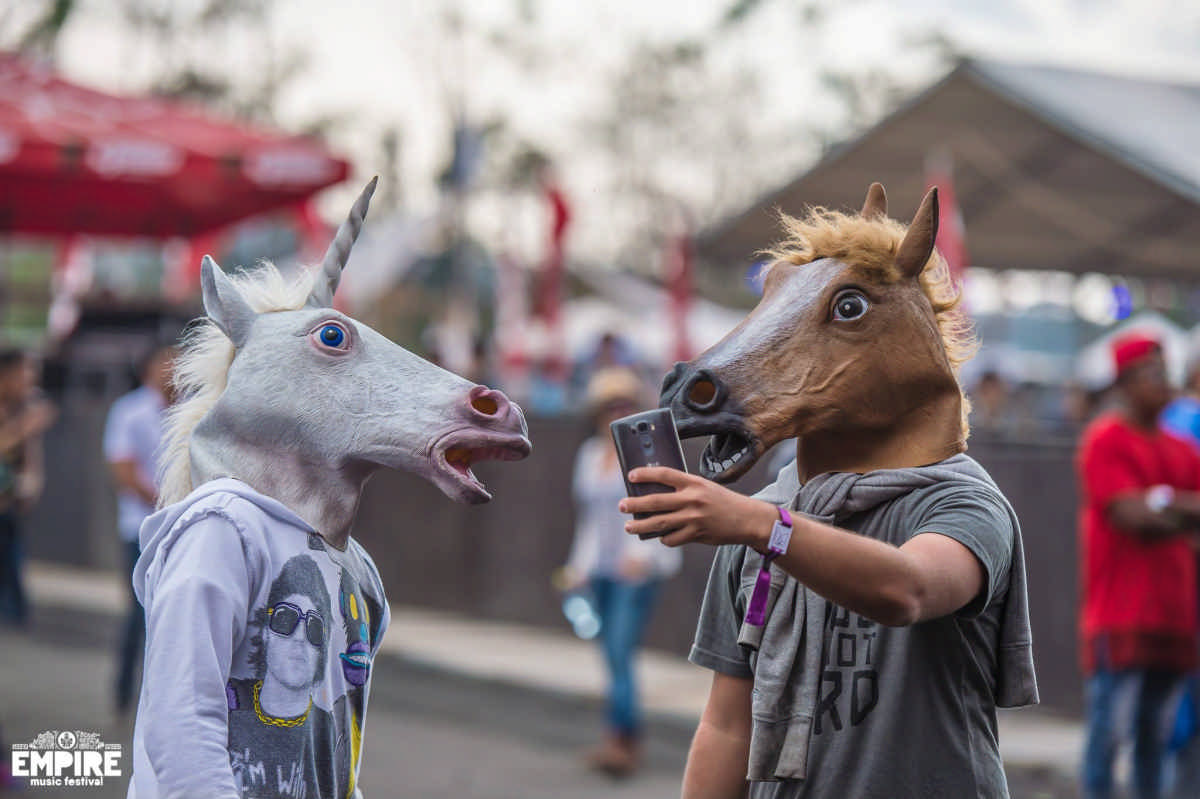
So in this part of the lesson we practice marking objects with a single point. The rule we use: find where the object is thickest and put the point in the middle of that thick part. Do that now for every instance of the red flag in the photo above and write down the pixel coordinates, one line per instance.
(952, 233)
(550, 287)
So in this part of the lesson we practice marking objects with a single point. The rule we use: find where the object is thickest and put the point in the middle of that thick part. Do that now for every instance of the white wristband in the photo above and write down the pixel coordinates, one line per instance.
(1159, 498)
(781, 534)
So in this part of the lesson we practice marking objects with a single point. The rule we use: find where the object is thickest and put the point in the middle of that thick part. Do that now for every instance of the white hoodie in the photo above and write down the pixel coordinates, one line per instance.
(259, 640)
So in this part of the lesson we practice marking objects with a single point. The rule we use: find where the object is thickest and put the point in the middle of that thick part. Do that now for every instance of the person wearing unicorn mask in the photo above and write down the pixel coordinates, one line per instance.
(263, 613)
(866, 613)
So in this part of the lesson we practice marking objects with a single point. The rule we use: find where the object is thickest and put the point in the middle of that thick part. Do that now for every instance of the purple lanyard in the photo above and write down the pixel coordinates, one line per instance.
(781, 535)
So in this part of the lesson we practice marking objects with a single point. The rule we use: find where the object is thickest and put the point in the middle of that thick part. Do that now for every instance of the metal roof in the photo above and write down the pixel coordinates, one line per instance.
(1151, 126)
(1055, 169)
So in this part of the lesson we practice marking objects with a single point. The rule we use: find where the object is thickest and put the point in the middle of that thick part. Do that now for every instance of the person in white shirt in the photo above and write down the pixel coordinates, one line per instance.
(132, 441)
(622, 572)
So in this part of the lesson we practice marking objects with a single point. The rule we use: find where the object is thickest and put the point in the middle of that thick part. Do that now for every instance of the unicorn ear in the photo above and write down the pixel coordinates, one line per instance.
(875, 206)
(224, 304)
(917, 246)
(339, 251)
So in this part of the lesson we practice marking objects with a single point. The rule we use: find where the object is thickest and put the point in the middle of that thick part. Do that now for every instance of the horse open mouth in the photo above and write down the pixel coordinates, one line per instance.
(728, 455)
(455, 453)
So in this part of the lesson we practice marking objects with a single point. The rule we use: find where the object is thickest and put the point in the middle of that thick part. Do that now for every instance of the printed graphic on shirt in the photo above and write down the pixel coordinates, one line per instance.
(282, 743)
(849, 676)
(361, 617)
(356, 619)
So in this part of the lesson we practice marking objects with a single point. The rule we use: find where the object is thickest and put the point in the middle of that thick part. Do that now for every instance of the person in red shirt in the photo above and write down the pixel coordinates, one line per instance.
(1139, 520)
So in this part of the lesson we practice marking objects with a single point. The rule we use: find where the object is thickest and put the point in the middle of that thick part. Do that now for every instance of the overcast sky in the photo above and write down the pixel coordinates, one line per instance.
(381, 63)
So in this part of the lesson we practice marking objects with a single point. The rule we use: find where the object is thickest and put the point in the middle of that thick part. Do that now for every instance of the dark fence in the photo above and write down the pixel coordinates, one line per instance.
(494, 561)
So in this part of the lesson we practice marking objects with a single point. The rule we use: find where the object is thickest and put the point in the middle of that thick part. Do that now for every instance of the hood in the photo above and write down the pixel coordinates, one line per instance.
(841, 494)
(160, 530)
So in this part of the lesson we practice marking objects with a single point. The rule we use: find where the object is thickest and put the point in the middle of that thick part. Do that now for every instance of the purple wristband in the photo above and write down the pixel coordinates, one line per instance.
(781, 534)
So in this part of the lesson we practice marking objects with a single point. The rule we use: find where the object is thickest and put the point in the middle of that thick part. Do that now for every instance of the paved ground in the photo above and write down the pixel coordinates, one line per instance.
(505, 718)
(428, 735)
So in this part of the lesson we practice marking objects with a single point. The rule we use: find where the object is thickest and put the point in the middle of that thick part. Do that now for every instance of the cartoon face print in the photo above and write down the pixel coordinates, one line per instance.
(357, 620)
(289, 653)
(293, 641)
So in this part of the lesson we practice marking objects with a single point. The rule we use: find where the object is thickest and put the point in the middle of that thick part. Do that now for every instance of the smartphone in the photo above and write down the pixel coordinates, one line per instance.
(647, 439)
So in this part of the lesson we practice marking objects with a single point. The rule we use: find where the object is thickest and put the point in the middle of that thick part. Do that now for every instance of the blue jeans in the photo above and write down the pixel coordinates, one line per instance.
(1141, 702)
(133, 636)
(14, 606)
(624, 608)
(1187, 758)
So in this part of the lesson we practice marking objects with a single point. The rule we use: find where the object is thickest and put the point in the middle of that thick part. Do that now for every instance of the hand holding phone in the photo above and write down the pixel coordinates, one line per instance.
(647, 439)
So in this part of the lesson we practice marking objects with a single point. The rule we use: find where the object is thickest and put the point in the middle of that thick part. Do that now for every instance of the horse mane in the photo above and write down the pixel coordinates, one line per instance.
(202, 366)
(872, 244)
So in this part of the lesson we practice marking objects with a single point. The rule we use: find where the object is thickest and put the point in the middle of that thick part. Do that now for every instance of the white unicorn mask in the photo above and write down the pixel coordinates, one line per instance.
(304, 403)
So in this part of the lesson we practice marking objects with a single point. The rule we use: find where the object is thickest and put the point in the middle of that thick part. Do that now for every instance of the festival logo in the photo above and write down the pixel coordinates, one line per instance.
(66, 759)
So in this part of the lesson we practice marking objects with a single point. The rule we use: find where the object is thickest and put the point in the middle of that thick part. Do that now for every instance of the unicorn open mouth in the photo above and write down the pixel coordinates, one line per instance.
(455, 453)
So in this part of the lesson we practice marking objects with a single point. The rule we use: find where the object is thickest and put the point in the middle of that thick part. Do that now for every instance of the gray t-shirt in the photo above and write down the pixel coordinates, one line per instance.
(901, 711)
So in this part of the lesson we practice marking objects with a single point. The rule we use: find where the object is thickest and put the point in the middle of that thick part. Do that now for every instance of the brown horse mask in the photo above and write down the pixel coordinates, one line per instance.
(846, 354)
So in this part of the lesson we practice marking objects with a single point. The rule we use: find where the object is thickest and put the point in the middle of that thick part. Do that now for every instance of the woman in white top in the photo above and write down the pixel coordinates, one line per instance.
(622, 571)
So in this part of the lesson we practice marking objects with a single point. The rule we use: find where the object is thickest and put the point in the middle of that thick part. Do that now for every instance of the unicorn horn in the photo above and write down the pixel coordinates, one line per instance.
(339, 249)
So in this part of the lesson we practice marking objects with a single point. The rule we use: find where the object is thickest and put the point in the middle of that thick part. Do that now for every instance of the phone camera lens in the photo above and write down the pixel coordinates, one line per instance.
(643, 427)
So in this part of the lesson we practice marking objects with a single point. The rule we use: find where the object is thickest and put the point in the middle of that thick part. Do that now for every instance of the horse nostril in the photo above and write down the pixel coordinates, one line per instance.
(485, 405)
(486, 401)
(704, 393)
(701, 393)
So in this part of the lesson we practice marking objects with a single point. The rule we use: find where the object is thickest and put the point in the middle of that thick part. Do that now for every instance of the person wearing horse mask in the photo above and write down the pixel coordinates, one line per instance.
(867, 612)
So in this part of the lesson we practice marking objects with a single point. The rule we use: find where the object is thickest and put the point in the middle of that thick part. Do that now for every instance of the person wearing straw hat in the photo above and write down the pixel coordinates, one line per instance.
(622, 572)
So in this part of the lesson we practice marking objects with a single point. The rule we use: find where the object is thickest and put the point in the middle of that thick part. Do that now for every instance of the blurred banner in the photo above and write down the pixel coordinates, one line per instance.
(550, 283)
(952, 233)
(512, 314)
(679, 283)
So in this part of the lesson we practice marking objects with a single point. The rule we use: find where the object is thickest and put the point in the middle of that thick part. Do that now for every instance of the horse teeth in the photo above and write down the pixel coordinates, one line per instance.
(737, 456)
(725, 464)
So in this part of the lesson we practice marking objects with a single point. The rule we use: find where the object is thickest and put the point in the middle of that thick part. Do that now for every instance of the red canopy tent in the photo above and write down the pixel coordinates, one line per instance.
(75, 160)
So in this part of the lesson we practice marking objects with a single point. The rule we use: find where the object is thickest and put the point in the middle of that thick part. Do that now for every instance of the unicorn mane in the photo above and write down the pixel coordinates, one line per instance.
(872, 243)
(200, 371)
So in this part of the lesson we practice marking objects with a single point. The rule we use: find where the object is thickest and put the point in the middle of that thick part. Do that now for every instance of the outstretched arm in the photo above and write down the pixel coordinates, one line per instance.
(930, 576)
(716, 765)
(196, 598)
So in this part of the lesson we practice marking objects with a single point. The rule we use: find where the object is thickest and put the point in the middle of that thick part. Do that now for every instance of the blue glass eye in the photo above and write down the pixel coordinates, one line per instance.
(332, 336)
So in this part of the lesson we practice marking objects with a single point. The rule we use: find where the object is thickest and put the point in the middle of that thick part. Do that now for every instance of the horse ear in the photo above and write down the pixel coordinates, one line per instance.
(224, 304)
(338, 253)
(918, 242)
(875, 206)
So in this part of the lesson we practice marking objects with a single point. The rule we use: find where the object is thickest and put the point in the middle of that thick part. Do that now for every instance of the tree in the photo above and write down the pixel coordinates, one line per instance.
(179, 40)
